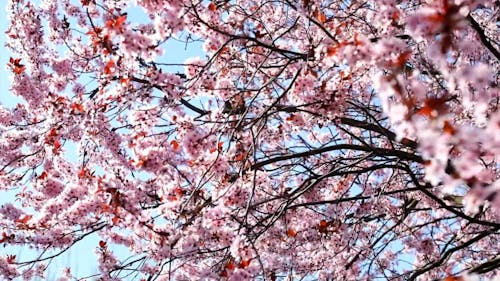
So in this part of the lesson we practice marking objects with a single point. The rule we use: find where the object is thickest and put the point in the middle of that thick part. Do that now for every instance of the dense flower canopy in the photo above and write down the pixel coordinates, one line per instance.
(317, 139)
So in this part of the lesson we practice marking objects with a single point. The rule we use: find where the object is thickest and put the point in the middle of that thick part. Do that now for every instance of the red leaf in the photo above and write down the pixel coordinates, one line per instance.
(109, 67)
(244, 263)
(116, 23)
(433, 106)
(402, 59)
(179, 191)
(230, 265)
(24, 220)
(11, 259)
(175, 145)
(321, 17)
(57, 145)
(219, 147)
(43, 176)
(19, 70)
(102, 244)
(82, 173)
(212, 7)
(77, 107)
(240, 156)
(447, 128)
(395, 16)
(291, 233)
(16, 66)
(52, 133)
(4, 237)
(332, 50)
(124, 81)
(120, 20)
(323, 225)
(94, 32)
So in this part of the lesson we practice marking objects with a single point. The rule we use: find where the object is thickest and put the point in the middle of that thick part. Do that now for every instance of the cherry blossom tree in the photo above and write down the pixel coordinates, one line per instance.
(315, 139)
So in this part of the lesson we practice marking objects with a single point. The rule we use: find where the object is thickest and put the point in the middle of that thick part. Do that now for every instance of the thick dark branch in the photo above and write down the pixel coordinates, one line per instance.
(448, 253)
(425, 189)
(183, 101)
(401, 36)
(487, 266)
(347, 199)
(194, 108)
(374, 128)
(486, 42)
(377, 151)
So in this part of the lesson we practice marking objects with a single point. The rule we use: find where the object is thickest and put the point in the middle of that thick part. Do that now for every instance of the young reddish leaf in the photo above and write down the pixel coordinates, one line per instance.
(43, 175)
(240, 156)
(52, 133)
(125, 81)
(345, 75)
(321, 17)
(332, 50)
(77, 107)
(102, 244)
(212, 7)
(109, 67)
(447, 128)
(244, 263)
(323, 226)
(175, 145)
(16, 66)
(402, 59)
(6, 237)
(106, 208)
(11, 259)
(219, 147)
(120, 20)
(291, 233)
(95, 31)
(357, 40)
(24, 219)
(82, 173)
(116, 23)
(433, 107)
(57, 145)
(230, 265)
(340, 28)
(179, 191)
(395, 16)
